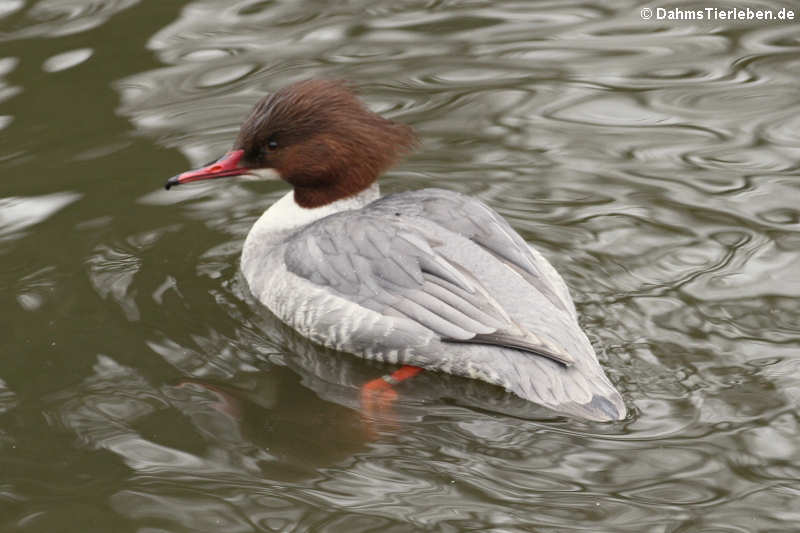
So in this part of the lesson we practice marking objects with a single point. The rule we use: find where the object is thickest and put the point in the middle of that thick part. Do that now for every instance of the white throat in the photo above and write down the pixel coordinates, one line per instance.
(285, 216)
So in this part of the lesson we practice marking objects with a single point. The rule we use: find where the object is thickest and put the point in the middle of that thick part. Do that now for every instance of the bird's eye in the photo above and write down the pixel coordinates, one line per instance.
(272, 144)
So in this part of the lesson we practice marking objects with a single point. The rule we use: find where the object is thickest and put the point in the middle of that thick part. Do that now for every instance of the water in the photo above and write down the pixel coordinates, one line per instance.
(654, 163)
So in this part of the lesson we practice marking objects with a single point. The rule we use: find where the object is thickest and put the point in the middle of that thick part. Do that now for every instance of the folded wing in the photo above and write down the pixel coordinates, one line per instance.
(384, 261)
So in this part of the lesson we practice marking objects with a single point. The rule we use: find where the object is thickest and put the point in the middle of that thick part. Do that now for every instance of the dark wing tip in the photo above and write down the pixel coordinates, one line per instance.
(503, 340)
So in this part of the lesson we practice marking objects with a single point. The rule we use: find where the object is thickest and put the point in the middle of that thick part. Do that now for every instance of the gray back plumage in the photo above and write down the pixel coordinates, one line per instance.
(448, 264)
(386, 261)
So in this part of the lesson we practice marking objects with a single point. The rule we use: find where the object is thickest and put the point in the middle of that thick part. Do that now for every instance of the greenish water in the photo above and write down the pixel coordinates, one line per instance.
(653, 162)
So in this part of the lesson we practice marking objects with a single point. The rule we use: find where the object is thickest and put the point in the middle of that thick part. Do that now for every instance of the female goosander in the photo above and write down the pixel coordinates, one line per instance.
(431, 278)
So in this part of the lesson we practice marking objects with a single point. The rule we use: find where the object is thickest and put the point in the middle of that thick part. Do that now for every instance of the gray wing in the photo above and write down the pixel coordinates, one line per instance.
(390, 264)
(477, 222)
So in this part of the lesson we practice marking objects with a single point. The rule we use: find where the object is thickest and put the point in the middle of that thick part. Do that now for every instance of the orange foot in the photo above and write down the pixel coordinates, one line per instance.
(378, 395)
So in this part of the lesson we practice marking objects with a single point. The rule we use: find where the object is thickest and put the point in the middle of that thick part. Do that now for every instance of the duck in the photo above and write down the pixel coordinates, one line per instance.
(428, 279)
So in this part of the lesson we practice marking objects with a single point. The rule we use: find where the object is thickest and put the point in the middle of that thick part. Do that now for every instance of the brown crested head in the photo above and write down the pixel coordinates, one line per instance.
(318, 136)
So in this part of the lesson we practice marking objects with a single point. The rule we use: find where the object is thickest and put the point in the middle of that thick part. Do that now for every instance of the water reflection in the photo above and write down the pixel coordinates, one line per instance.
(18, 214)
(202, 428)
(654, 163)
(67, 60)
(7, 398)
(55, 18)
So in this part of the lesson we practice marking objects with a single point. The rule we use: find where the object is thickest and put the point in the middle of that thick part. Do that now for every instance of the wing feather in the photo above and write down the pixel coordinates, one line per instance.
(446, 311)
(453, 297)
(390, 265)
(477, 222)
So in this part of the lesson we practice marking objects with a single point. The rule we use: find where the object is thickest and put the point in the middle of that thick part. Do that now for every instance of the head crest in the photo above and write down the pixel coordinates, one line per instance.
(322, 139)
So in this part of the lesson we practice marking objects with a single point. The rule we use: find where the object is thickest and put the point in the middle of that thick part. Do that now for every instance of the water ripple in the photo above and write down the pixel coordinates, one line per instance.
(53, 18)
(20, 213)
(663, 191)
(7, 397)
(654, 163)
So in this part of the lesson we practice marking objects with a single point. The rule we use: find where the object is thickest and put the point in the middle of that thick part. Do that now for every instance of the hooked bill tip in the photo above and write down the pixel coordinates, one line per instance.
(172, 181)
